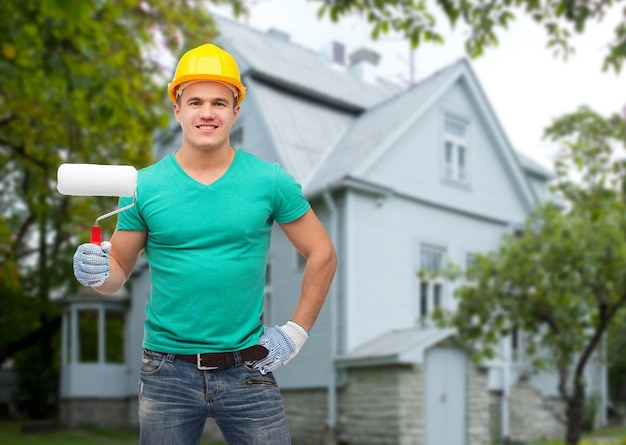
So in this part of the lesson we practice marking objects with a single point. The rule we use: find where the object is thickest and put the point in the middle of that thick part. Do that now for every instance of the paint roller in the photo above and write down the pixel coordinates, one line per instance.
(98, 180)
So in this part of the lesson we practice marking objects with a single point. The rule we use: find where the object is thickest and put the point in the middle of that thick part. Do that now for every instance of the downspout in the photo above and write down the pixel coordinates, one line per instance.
(506, 391)
(331, 421)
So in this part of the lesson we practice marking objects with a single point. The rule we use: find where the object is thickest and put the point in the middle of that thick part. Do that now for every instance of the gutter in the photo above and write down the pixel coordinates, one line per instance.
(331, 421)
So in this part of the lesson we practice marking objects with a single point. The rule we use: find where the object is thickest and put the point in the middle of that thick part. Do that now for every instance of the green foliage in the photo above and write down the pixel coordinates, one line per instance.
(414, 20)
(621, 441)
(81, 81)
(37, 373)
(590, 412)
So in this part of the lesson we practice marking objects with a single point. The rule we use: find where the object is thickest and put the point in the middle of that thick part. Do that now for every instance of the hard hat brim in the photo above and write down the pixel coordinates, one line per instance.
(171, 87)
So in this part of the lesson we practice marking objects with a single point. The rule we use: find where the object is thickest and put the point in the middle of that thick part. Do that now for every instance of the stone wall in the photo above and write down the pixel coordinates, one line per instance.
(382, 405)
(533, 416)
(478, 406)
(307, 415)
(94, 412)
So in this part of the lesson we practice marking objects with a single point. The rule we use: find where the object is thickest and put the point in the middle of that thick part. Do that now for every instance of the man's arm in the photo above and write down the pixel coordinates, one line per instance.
(126, 246)
(308, 236)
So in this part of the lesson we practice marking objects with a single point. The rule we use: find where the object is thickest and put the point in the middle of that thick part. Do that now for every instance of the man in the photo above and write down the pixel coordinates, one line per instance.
(204, 216)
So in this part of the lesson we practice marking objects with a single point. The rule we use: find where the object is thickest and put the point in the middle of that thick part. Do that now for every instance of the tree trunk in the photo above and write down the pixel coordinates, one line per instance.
(30, 339)
(574, 412)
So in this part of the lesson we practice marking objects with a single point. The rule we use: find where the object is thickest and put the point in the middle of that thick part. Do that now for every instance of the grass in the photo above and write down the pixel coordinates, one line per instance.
(610, 432)
(11, 434)
(604, 436)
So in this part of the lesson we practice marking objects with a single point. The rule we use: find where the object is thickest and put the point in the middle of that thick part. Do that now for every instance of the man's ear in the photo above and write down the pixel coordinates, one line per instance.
(177, 112)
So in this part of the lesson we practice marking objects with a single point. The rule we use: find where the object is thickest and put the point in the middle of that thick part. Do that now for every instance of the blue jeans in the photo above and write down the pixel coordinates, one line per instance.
(176, 398)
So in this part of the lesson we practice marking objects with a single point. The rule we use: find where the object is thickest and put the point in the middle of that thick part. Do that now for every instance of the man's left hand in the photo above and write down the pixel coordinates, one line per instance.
(283, 343)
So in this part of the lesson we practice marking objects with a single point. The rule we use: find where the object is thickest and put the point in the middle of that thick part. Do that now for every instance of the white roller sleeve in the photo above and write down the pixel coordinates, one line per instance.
(96, 180)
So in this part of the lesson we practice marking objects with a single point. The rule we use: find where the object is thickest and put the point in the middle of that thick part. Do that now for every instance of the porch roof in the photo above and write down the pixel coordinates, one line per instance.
(403, 346)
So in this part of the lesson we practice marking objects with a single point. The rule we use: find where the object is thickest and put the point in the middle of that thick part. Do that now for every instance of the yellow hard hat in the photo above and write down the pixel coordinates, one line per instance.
(207, 62)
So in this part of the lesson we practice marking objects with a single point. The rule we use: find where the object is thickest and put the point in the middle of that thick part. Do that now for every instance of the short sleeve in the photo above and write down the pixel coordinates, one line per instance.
(289, 200)
(130, 219)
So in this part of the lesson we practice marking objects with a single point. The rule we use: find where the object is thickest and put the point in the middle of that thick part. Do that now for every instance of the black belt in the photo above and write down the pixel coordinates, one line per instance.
(217, 359)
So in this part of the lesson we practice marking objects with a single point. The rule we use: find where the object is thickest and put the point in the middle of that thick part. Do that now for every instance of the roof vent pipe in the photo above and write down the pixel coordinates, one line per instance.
(363, 64)
(334, 53)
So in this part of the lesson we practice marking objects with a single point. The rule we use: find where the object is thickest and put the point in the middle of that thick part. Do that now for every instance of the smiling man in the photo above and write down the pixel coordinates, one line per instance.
(204, 216)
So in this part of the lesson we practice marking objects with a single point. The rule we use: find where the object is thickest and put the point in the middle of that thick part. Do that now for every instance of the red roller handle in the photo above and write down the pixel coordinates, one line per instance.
(96, 235)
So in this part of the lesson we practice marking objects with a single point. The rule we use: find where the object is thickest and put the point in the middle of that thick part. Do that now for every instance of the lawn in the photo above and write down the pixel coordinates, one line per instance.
(11, 434)
(605, 436)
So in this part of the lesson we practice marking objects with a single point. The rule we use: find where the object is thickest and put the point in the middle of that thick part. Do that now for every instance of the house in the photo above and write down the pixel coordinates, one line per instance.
(402, 179)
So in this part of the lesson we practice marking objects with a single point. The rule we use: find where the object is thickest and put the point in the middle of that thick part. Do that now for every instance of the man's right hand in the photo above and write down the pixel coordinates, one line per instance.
(91, 264)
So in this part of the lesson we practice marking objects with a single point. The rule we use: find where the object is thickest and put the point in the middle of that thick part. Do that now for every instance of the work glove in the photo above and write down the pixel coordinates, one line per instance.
(91, 263)
(283, 344)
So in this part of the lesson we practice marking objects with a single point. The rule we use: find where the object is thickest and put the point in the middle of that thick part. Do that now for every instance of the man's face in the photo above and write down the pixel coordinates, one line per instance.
(206, 112)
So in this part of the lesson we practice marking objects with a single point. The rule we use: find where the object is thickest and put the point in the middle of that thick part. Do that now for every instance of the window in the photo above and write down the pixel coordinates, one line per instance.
(430, 289)
(100, 335)
(88, 336)
(114, 336)
(517, 344)
(470, 261)
(455, 157)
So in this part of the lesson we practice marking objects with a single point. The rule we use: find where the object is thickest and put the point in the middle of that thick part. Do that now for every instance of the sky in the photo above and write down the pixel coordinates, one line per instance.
(525, 84)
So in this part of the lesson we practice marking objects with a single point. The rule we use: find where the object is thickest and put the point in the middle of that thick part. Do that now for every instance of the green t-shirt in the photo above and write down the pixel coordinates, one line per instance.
(207, 248)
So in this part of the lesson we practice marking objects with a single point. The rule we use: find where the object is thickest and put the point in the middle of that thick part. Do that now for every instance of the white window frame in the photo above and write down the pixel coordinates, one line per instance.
(431, 292)
(455, 149)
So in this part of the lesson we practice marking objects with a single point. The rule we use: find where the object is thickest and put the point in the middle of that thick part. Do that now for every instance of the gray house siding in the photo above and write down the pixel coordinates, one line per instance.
(285, 286)
(383, 238)
(414, 164)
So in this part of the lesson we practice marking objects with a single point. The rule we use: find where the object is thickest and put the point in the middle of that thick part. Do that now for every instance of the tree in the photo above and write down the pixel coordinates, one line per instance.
(562, 281)
(616, 364)
(415, 20)
(80, 81)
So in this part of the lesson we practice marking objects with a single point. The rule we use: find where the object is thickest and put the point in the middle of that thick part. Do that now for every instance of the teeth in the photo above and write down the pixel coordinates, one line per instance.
(206, 127)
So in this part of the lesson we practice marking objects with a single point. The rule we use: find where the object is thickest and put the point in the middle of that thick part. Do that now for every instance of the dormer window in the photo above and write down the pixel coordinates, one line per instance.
(455, 151)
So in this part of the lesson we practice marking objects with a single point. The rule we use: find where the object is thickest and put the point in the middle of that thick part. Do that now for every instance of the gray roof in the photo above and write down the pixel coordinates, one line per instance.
(327, 125)
(533, 167)
(397, 346)
(367, 135)
(302, 131)
(277, 60)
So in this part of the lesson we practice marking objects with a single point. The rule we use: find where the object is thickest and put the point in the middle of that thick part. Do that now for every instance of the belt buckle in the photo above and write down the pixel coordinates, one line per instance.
(203, 368)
